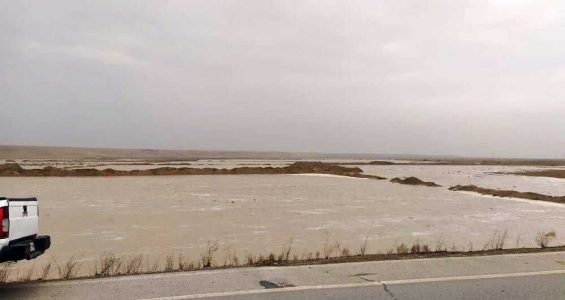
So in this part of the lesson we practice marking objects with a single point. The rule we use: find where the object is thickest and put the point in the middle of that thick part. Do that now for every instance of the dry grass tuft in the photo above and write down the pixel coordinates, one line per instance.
(69, 269)
(5, 269)
(497, 241)
(330, 248)
(363, 247)
(45, 270)
(440, 245)
(208, 257)
(133, 264)
(109, 265)
(544, 238)
(170, 262)
(285, 254)
(402, 249)
(27, 276)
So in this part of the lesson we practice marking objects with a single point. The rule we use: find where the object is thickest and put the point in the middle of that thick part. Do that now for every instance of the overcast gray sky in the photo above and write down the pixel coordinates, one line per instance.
(477, 78)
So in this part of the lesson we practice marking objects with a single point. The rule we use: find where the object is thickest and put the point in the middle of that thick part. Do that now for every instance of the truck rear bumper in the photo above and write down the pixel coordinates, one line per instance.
(28, 249)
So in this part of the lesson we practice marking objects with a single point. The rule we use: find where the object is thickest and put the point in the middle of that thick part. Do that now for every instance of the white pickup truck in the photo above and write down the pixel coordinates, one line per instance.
(19, 230)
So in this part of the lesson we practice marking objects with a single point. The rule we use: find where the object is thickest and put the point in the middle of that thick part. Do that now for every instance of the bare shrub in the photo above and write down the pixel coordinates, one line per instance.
(501, 239)
(345, 252)
(183, 262)
(250, 259)
(151, 268)
(363, 247)
(402, 249)
(544, 238)
(69, 269)
(440, 245)
(45, 270)
(426, 248)
(416, 248)
(234, 260)
(207, 257)
(330, 248)
(261, 259)
(497, 241)
(419, 248)
(285, 254)
(133, 264)
(170, 262)
(108, 265)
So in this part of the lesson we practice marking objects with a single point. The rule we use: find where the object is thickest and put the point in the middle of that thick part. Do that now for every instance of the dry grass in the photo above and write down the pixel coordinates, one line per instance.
(133, 264)
(497, 241)
(544, 238)
(45, 270)
(363, 247)
(27, 276)
(208, 256)
(69, 269)
(402, 249)
(170, 262)
(5, 269)
(112, 265)
(184, 263)
(440, 245)
(329, 249)
(151, 268)
(419, 248)
(108, 265)
(286, 251)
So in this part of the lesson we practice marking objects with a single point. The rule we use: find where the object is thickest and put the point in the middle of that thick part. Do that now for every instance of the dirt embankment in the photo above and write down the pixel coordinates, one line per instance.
(15, 170)
(414, 181)
(559, 173)
(508, 193)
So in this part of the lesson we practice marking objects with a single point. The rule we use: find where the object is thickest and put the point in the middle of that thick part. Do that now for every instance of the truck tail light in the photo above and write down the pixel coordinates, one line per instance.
(5, 219)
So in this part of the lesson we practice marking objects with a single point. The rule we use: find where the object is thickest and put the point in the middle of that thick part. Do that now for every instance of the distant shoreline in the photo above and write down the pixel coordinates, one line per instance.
(83, 153)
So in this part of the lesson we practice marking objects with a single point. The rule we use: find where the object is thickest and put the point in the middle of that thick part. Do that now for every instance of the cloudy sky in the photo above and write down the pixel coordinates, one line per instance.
(476, 78)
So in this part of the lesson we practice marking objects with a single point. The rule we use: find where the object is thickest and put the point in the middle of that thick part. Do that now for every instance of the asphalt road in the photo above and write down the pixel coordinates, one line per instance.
(521, 276)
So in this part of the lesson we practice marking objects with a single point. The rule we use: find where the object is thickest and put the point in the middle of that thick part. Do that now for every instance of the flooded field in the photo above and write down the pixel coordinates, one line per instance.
(257, 214)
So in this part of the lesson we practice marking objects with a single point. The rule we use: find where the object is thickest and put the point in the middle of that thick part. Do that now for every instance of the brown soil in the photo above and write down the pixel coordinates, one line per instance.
(15, 170)
(414, 181)
(508, 194)
(544, 173)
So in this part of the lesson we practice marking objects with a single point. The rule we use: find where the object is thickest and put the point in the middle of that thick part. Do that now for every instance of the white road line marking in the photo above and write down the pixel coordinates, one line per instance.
(471, 277)
(269, 291)
(355, 285)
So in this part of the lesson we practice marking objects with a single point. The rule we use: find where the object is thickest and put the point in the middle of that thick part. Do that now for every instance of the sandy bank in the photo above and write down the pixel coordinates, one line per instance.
(15, 170)
(414, 181)
(558, 173)
(508, 193)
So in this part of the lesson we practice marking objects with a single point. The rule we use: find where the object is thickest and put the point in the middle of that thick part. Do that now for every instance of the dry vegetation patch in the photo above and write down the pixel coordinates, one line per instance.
(508, 193)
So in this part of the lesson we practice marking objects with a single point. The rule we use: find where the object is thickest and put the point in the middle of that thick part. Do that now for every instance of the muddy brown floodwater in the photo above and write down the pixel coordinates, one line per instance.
(158, 215)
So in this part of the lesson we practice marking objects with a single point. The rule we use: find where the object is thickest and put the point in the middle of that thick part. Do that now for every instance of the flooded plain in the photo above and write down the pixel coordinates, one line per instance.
(259, 214)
